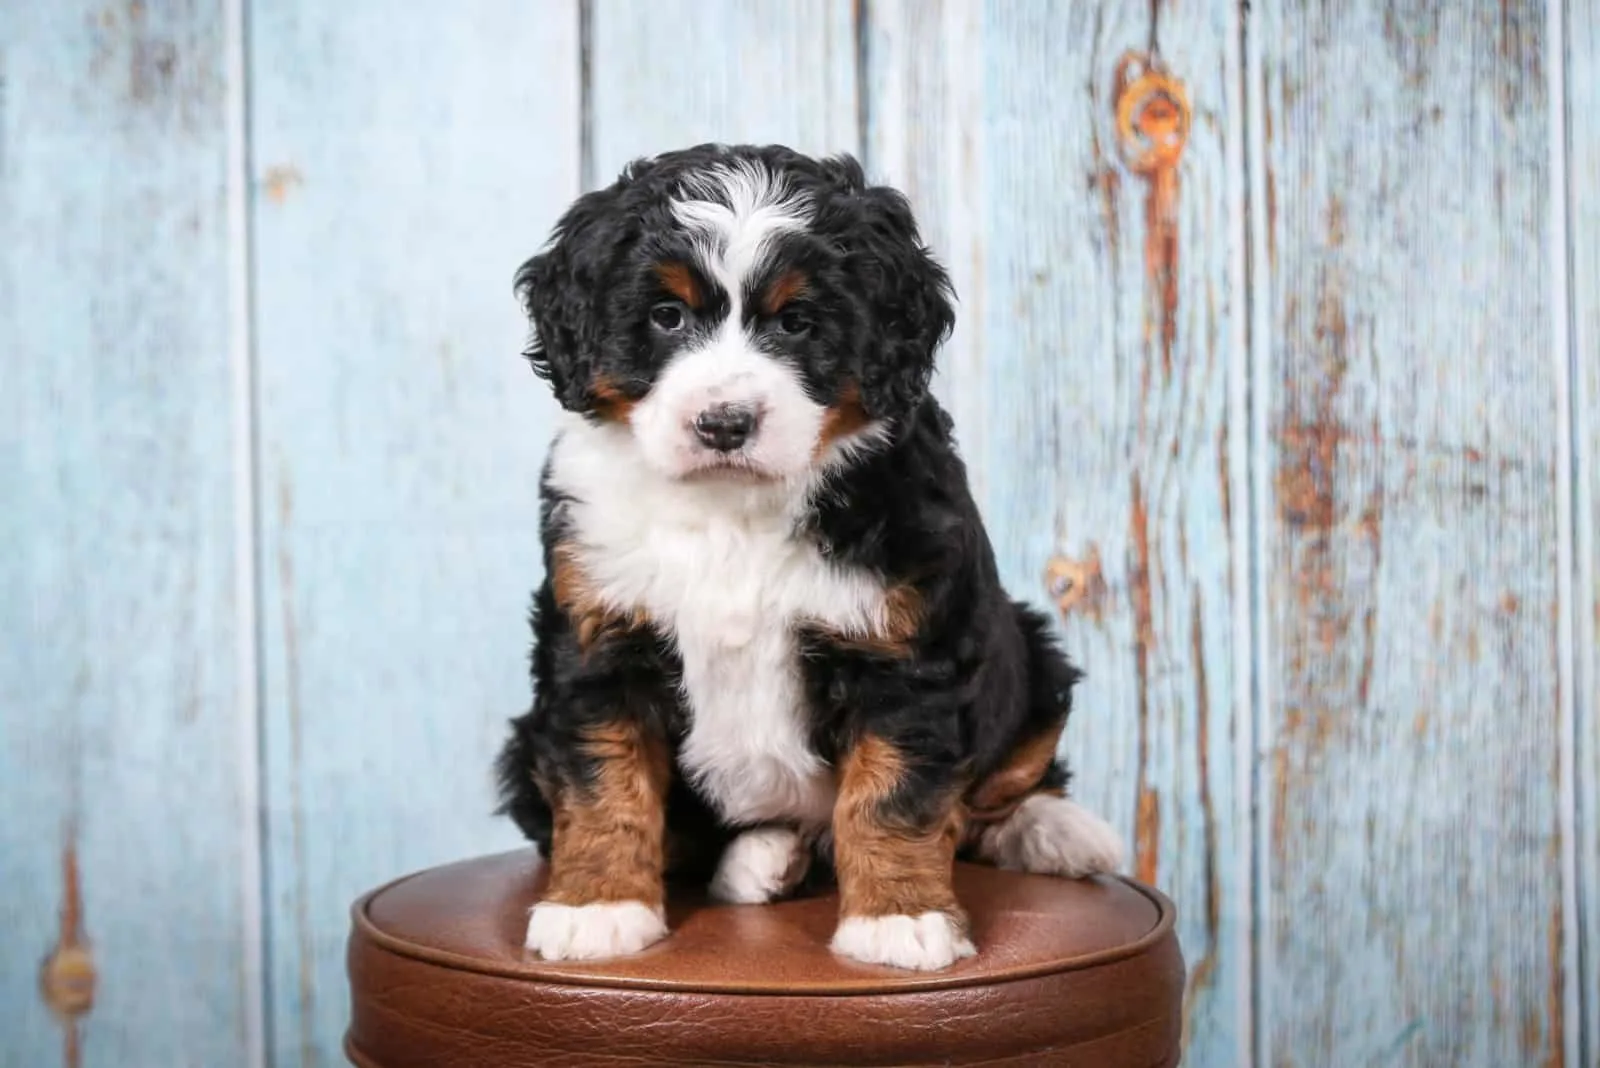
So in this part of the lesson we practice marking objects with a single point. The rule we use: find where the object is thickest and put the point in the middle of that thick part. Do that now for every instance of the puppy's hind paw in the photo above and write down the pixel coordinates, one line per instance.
(1052, 835)
(593, 932)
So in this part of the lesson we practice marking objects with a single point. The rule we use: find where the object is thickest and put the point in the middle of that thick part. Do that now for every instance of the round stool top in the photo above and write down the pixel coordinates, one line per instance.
(1072, 963)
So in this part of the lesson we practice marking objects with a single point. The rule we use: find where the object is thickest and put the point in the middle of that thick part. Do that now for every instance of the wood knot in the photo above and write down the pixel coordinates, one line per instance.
(1077, 585)
(66, 981)
(67, 976)
(1152, 115)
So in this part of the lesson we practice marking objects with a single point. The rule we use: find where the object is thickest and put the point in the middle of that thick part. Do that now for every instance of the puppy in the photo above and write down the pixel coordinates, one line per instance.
(771, 624)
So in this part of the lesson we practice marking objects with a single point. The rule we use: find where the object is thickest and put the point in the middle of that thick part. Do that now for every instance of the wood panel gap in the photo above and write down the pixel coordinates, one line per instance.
(1257, 310)
(256, 937)
(1572, 69)
(586, 158)
(1244, 534)
(1568, 419)
(861, 25)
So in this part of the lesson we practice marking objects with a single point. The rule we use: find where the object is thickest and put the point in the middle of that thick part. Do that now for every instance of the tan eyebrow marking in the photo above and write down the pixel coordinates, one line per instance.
(678, 280)
(788, 286)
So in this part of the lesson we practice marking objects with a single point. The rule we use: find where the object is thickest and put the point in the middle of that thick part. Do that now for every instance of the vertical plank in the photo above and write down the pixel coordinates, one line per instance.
(1409, 401)
(1091, 385)
(122, 823)
(924, 71)
(674, 73)
(1583, 247)
(404, 168)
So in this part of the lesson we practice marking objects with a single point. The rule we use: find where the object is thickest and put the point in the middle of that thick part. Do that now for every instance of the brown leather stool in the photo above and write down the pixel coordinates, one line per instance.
(1082, 974)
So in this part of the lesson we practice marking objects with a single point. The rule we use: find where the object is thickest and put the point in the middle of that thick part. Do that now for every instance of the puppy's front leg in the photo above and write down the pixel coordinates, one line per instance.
(605, 896)
(895, 829)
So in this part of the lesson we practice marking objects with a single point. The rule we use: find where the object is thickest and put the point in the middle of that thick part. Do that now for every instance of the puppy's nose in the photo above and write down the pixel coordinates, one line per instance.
(725, 427)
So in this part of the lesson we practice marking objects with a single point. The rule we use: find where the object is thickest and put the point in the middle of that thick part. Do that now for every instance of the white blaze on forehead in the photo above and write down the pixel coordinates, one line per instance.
(745, 206)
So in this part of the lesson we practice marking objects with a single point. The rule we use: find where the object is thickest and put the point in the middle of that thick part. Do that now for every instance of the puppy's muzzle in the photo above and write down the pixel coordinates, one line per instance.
(725, 427)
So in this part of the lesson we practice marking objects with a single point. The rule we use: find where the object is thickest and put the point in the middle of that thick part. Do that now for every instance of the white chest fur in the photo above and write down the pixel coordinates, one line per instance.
(715, 564)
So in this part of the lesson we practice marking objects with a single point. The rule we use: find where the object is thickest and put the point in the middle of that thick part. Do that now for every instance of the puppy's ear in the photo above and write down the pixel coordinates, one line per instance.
(563, 290)
(909, 297)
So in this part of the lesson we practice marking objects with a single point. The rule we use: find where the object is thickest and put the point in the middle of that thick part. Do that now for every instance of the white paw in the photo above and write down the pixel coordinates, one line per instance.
(591, 932)
(925, 943)
(757, 866)
(1052, 835)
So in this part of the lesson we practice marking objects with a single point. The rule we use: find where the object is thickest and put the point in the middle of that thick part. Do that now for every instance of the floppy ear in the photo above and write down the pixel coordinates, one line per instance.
(563, 289)
(908, 294)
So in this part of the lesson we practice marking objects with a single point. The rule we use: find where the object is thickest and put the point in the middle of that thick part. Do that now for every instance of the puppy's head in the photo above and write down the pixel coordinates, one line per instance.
(743, 312)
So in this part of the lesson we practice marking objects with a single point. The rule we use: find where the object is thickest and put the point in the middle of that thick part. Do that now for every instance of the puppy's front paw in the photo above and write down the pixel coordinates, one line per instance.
(925, 943)
(760, 865)
(592, 932)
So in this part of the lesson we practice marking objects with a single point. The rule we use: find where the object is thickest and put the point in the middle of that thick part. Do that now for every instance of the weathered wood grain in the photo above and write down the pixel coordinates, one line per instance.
(1090, 382)
(1582, 114)
(675, 73)
(122, 827)
(1408, 393)
(405, 166)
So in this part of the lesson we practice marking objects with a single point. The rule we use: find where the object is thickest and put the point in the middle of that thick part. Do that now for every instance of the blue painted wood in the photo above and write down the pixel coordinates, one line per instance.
(1582, 115)
(1090, 382)
(124, 724)
(924, 91)
(673, 73)
(404, 167)
(1406, 456)
(1409, 395)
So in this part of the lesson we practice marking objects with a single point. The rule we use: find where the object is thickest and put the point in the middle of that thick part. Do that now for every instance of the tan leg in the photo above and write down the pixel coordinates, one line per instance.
(605, 897)
(897, 904)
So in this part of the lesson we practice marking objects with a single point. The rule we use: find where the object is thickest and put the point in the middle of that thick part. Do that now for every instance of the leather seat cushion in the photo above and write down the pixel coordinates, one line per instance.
(1086, 974)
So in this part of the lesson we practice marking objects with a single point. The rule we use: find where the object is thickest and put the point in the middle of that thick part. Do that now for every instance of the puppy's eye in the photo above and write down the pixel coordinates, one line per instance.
(794, 323)
(668, 318)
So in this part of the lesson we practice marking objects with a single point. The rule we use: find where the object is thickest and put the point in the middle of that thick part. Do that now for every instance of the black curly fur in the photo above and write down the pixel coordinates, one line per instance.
(888, 300)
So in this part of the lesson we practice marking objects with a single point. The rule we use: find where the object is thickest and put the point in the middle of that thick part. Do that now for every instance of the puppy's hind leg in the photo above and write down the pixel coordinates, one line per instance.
(761, 865)
(1050, 834)
(1021, 815)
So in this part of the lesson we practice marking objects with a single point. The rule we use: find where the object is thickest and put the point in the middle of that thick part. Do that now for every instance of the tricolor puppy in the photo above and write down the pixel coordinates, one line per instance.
(771, 627)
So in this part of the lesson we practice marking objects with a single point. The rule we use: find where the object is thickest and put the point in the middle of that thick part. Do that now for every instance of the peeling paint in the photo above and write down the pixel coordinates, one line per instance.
(1147, 825)
(1153, 126)
(1225, 486)
(279, 180)
(1205, 969)
(1556, 1054)
(154, 62)
(1078, 586)
(67, 976)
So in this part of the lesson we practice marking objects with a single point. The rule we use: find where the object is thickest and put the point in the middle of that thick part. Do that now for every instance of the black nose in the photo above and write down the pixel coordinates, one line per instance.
(725, 427)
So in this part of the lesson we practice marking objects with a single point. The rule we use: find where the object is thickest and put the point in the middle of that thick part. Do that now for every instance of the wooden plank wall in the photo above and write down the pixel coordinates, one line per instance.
(1277, 371)
(1408, 443)
(127, 843)
(400, 439)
